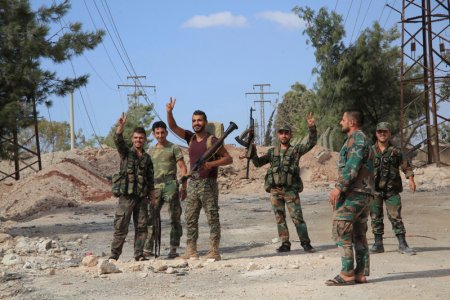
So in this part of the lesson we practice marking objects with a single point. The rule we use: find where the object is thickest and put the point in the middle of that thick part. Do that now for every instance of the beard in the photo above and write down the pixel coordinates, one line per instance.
(198, 129)
(345, 129)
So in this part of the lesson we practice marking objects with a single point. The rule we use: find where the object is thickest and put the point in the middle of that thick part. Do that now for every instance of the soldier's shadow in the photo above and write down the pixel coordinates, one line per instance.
(413, 275)
(272, 253)
(430, 249)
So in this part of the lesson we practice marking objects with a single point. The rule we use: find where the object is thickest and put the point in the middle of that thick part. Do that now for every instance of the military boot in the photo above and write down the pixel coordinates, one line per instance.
(403, 247)
(191, 251)
(213, 251)
(285, 247)
(378, 245)
(307, 247)
(172, 253)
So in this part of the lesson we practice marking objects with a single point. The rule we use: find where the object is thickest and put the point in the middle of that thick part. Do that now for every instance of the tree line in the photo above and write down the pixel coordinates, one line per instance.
(364, 74)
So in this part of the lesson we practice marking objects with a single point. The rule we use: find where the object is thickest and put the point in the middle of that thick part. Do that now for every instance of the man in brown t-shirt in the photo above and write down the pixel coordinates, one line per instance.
(202, 189)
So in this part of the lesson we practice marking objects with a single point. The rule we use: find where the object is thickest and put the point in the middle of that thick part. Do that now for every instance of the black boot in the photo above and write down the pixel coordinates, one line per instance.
(285, 247)
(403, 247)
(378, 245)
(308, 248)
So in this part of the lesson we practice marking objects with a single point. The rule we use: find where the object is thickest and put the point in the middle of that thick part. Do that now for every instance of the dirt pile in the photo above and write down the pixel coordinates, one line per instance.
(70, 178)
(64, 184)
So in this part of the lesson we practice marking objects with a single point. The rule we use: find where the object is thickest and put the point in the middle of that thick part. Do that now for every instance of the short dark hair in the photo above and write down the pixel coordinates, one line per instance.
(159, 124)
(140, 130)
(356, 115)
(200, 113)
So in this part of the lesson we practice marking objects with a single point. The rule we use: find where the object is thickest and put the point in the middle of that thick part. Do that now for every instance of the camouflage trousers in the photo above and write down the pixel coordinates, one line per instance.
(202, 193)
(393, 209)
(168, 193)
(130, 206)
(349, 231)
(281, 197)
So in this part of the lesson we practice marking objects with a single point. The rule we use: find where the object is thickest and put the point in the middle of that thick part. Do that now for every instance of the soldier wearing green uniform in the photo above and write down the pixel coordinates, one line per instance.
(388, 186)
(284, 184)
(132, 185)
(350, 201)
(166, 156)
(202, 190)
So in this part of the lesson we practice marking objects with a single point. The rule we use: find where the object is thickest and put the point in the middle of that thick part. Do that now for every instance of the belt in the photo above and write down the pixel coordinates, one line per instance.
(165, 178)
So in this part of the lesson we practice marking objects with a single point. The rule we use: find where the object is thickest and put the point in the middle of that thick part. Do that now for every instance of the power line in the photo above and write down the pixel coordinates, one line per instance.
(114, 43)
(86, 110)
(389, 14)
(349, 9)
(356, 21)
(104, 47)
(81, 95)
(118, 36)
(99, 76)
(365, 16)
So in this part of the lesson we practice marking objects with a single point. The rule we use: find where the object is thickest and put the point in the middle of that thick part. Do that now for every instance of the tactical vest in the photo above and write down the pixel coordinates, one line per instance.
(132, 179)
(284, 170)
(387, 168)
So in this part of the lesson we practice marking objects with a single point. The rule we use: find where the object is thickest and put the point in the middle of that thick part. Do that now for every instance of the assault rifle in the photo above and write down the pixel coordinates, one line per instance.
(156, 231)
(246, 138)
(209, 153)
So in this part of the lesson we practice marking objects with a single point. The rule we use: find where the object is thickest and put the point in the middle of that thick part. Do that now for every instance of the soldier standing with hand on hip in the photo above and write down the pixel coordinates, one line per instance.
(388, 186)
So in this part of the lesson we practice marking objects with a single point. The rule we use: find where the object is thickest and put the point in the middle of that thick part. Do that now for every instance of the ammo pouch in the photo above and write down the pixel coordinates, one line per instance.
(283, 172)
(120, 180)
(119, 185)
(269, 180)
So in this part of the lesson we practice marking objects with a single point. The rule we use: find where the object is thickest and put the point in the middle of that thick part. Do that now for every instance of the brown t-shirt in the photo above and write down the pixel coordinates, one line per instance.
(196, 150)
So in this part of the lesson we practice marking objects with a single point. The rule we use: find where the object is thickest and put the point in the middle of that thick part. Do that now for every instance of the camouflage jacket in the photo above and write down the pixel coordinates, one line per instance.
(284, 170)
(387, 174)
(136, 173)
(356, 165)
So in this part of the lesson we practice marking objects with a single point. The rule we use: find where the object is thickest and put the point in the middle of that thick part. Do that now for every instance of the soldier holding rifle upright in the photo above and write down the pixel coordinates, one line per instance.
(202, 190)
(166, 157)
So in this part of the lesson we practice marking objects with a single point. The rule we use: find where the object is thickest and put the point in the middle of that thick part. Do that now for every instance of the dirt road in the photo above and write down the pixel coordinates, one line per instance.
(250, 269)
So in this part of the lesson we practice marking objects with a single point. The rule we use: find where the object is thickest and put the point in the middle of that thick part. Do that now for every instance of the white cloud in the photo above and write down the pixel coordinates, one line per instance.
(224, 19)
(287, 20)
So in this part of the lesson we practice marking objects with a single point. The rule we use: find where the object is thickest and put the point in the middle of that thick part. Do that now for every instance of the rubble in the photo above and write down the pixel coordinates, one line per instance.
(107, 267)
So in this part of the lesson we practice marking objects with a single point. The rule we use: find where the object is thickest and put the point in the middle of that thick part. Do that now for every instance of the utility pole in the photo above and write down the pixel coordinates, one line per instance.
(72, 125)
(262, 101)
(133, 99)
(425, 23)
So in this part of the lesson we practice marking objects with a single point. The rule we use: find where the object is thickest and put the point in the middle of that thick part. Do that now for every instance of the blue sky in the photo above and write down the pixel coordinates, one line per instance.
(206, 54)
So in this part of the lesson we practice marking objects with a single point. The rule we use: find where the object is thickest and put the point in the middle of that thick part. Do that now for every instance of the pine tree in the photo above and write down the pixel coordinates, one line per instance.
(26, 38)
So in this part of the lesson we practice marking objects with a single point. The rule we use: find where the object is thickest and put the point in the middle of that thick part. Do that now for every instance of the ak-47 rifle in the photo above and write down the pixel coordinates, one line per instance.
(156, 231)
(246, 138)
(209, 153)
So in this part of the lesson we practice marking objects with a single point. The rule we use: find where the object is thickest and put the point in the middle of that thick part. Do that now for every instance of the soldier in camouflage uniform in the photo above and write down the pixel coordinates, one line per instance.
(166, 156)
(388, 186)
(350, 201)
(202, 188)
(132, 185)
(284, 184)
